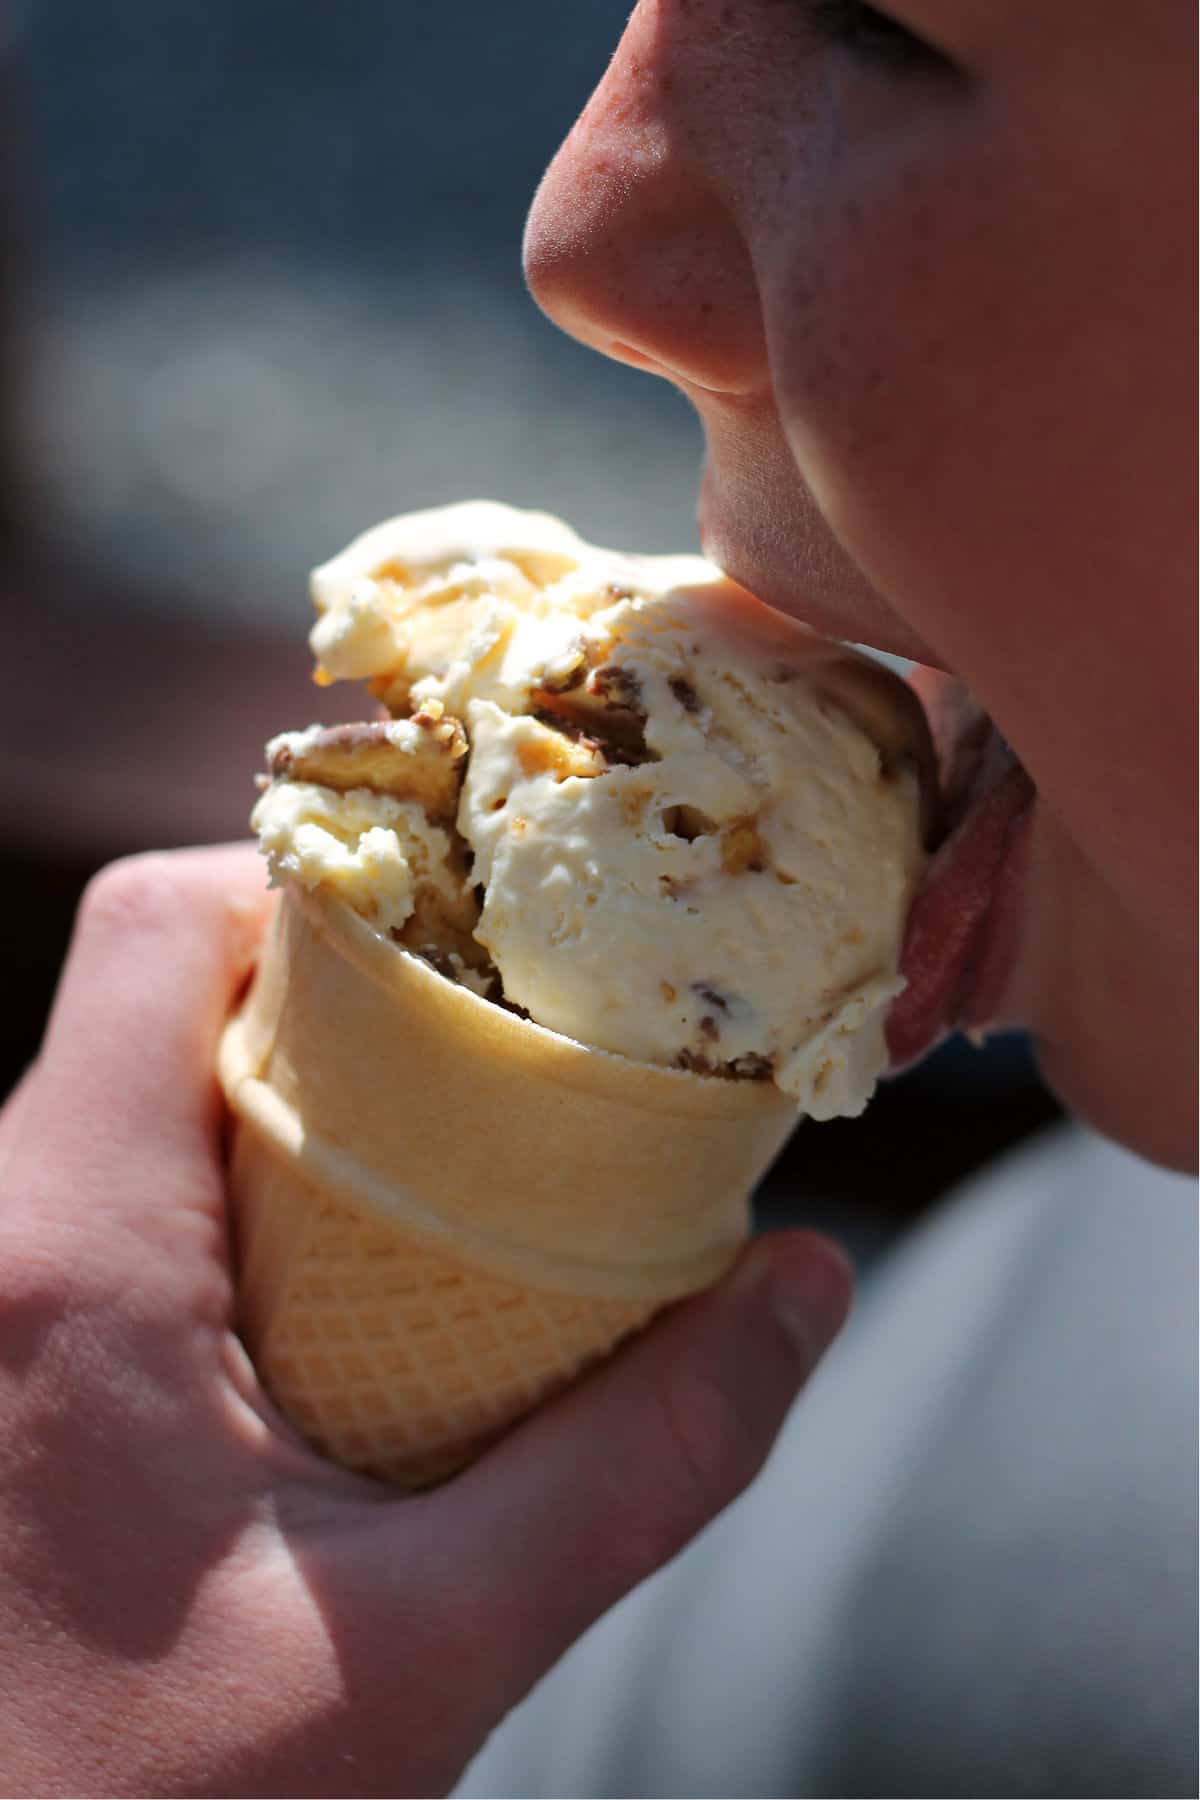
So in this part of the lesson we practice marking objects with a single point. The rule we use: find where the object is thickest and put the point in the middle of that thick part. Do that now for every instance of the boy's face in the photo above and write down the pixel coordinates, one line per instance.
(927, 280)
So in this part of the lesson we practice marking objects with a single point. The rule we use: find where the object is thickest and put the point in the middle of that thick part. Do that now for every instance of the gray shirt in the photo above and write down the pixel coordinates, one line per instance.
(969, 1567)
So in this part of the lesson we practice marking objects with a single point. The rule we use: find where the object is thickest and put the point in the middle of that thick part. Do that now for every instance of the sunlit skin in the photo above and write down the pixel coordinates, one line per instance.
(934, 304)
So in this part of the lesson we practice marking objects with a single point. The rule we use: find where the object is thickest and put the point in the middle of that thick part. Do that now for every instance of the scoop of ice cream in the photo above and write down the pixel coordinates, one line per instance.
(688, 830)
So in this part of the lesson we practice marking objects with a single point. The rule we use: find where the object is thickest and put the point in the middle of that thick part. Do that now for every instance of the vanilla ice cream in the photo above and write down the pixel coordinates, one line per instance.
(614, 793)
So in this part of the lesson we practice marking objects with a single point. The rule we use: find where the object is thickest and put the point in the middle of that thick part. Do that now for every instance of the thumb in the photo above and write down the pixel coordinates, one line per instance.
(607, 1483)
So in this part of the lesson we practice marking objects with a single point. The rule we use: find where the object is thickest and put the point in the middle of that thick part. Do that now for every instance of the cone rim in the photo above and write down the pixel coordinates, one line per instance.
(334, 1173)
(651, 1087)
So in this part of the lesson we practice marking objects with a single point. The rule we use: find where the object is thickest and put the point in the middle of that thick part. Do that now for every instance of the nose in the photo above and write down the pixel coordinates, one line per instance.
(632, 244)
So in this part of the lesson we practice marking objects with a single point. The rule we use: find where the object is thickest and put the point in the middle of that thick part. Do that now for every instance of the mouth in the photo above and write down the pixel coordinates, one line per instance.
(962, 936)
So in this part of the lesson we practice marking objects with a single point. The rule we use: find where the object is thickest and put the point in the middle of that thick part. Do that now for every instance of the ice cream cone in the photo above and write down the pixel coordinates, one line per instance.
(443, 1211)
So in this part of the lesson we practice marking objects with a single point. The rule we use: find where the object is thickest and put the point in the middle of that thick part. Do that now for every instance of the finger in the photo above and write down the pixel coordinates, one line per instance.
(610, 1481)
(161, 944)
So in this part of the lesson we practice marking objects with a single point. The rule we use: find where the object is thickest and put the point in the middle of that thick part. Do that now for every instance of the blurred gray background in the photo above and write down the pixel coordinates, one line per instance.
(277, 249)
(261, 288)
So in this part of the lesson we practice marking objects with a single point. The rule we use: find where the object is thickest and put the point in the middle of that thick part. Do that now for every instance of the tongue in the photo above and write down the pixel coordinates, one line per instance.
(961, 931)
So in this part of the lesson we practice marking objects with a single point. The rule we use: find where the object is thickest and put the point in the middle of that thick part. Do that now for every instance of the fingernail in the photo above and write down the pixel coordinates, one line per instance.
(809, 1290)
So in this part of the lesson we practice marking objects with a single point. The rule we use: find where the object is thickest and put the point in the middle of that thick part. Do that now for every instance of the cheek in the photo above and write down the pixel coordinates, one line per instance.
(883, 343)
(980, 415)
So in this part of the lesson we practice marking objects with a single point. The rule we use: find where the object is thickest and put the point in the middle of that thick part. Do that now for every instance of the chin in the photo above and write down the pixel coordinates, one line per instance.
(1110, 1008)
(1098, 1094)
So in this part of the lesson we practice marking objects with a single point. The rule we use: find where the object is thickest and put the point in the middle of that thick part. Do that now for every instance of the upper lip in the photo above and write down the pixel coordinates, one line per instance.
(832, 622)
(885, 632)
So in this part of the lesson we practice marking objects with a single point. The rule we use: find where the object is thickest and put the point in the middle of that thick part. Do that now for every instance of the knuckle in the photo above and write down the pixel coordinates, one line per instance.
(711, 1454)
(134, 894)
(41, 1299)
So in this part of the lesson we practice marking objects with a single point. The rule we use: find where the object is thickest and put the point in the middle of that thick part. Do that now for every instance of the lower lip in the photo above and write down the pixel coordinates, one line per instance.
(962, 936)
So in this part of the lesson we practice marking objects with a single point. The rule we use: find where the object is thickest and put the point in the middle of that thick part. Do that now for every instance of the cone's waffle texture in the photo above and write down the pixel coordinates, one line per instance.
(393, 1357)
(444, 1212)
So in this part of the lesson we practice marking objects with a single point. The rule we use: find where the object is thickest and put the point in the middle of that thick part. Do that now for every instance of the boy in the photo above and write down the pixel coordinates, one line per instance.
(921, 273)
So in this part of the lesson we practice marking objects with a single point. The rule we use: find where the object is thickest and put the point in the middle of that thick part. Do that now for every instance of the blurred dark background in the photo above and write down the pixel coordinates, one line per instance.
(261, 288)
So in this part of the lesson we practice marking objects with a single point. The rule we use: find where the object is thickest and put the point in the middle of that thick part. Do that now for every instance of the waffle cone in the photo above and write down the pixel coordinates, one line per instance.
(443, 1212)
